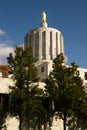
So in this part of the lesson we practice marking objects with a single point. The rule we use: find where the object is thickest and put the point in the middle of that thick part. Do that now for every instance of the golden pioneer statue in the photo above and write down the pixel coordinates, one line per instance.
(43, 16)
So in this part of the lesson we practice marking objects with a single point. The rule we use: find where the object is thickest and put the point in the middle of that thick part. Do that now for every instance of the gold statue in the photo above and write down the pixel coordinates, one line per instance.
(43, 16)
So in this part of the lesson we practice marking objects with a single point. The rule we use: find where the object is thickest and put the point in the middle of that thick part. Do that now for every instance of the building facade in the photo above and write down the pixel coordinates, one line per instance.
(47, 43)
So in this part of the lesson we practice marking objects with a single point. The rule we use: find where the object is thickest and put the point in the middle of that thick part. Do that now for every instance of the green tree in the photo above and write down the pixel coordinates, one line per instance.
(24, 94)
(3, 116)
(3, 110)
(65, 88)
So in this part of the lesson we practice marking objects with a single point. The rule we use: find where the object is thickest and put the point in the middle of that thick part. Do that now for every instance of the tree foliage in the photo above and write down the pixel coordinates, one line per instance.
(3, 116)
(64, 93)
(65, 87)
(26, 96)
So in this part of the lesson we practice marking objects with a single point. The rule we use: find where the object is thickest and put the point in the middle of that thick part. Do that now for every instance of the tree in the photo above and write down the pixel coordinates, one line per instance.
(24, 94)
(3, 116)
(65, 88)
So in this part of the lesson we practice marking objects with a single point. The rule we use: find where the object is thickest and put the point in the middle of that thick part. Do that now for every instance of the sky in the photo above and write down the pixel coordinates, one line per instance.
(17, 17)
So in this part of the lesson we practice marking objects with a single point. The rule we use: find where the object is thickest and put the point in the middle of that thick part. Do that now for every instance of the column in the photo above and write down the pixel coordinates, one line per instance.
(47, 45)
(43, 45)
(40, 45)
(53, 44)
(59, 43)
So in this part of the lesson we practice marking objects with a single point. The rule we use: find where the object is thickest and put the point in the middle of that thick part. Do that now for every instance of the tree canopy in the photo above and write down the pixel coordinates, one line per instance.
(65, 87)
(26, 96)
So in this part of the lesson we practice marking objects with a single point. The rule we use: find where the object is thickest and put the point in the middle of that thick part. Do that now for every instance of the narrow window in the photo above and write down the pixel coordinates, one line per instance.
(85, 76)
(42, 69)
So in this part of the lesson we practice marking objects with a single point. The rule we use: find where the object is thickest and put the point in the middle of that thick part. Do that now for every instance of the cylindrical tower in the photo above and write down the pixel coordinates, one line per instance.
(46, 42)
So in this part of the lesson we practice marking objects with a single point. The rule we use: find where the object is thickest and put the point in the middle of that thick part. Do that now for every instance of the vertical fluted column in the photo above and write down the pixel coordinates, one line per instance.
(61, 44)
(54, 42)
(34, 33)
(58, 43)
(47, 45)
(53, 45)
(40, 45)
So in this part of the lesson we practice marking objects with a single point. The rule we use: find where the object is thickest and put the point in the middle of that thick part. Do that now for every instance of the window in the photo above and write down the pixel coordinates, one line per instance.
(42, 80)
(85, 76)
(42, 69)
(78, 73)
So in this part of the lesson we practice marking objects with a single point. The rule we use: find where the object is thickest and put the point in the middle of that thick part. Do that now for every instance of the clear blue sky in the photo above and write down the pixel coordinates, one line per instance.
(17, 17)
